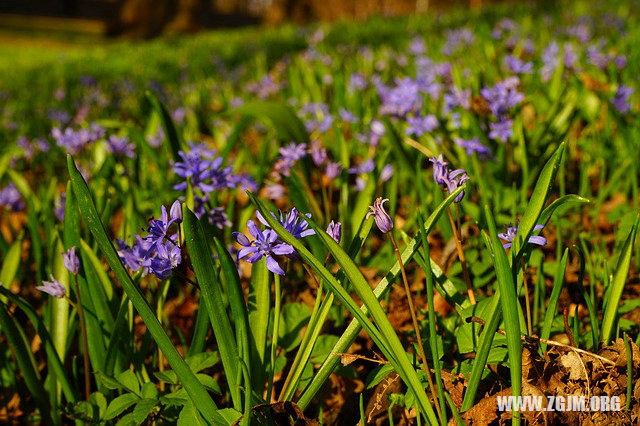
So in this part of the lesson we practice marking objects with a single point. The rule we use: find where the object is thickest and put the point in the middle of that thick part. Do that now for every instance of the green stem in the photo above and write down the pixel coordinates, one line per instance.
(432, 321)
(85, 345)
(274, 337)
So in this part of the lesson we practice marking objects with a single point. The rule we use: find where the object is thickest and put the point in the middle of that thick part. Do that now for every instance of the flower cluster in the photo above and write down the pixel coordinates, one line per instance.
(10, 198)
(158, 252)
(290, 155)
(266, 243)
(74, 141)
(501, 98)
(446, 178)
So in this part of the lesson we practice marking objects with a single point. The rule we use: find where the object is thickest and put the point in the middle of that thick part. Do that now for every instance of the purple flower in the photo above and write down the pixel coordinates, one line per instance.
(473, 145)
(501, 131)
(377, 131)
(366, 167)
(621, 61)
(218, 218)
(53, 288)
(176, 211)
(136, 256)
(318, 153)
(333, 169)
(361, 183)
(446, 178)
(206, 175)
(290, 222)
(264, 244)
(456, 97)
(457, 38)
(289, 155)
(440, 170)
(274, 191)
(10, 198)
(71, 261)
(318, 117)
(357, 81)
(386, 173)
(335, 231)
(401, 99)
(517, 66)
(158, 231)
(502, 96)
(167, 257)
(417, 46)
(419, 125)
(513, 230)
(347, 116)
(121, 146)
(59, 206)
(455, 179)
(621, 99)
(382, 218)
(156, 140)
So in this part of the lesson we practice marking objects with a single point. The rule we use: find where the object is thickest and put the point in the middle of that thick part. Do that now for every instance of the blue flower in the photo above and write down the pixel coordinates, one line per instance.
(419, 125)
(71, 261)
(10, 198)
(513, 230)
(167, 257)
(265, 244)
(473, 145)
(381, 217)
(53, 288)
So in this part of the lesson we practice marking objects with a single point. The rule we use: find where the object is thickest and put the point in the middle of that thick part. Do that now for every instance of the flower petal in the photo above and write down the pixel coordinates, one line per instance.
(273, 266)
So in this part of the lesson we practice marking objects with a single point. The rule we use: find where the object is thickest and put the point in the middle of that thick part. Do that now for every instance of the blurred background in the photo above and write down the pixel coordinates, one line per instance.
(141, 19)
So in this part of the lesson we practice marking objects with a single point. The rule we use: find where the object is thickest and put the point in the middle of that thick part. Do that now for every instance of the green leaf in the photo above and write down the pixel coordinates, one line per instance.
(510, 305)
(563, 201)
(550, 313)
(142, 409)
(87, 208)
(22, 353)
(129, 381)
(119, 404)
(378, 374)
(189, 416)
(11, 263)
(211, 294)
(209, 383)
(259, 308)
(293, 318)
(202, 360)
(149, 390)
(617, 286)
(287, 124)
(536, 203)
(100, 402)
(52, 355)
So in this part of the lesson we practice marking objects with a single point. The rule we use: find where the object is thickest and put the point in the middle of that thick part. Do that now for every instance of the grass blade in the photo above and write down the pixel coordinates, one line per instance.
(617, 286)
(211, 292)
(550, 313)
(536, 203)
(432, 319)
(509, 302)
